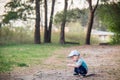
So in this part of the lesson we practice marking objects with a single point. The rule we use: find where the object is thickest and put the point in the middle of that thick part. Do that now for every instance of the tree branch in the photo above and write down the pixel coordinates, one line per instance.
(96, 6)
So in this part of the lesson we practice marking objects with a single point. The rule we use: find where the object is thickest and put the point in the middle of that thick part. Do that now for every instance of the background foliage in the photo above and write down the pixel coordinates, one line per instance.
(16, 9)
(109, 15)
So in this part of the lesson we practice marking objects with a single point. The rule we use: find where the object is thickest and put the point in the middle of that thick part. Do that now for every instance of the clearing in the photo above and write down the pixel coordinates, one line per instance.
(103, 63)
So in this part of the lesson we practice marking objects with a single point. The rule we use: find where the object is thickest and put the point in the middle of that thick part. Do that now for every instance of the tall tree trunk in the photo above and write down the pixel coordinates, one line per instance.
(51, 21)
(90, 24)
(37, 23)
(62, 33)
(45, 24)
(91, 20)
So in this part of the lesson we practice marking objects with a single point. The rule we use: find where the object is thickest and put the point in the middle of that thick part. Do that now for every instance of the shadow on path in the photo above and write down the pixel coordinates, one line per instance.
(90, 75)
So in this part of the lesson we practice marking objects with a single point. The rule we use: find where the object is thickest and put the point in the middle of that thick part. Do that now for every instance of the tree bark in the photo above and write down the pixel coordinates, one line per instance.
(46, 19)
(90, 24)
(91, 20)
(51, 21)
(37, 23)
(62, 33)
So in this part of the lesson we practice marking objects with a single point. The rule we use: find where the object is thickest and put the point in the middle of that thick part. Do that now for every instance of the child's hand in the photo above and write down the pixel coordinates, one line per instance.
(72, 65)
(68, 64)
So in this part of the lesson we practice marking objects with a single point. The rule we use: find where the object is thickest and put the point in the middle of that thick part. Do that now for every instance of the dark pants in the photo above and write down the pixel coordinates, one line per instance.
(80, 70)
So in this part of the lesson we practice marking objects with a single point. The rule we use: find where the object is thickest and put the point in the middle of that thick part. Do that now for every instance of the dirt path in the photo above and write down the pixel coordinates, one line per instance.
(103, 63)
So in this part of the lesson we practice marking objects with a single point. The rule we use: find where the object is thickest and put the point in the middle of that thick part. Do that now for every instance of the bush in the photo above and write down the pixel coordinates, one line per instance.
(109, 15)
(23, 35)
(75, 34)
(115, 39)
(11, 35)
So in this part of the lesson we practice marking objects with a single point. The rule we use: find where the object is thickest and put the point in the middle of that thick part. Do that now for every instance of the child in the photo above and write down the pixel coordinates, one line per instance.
(80, 66)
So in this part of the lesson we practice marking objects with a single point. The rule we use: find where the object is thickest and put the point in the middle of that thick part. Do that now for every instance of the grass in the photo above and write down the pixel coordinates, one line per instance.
(24, 35)
(25, 55)
(17, 48)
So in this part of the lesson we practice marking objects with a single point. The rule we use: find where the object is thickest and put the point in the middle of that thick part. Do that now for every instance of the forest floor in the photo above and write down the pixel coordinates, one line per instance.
(103, 63)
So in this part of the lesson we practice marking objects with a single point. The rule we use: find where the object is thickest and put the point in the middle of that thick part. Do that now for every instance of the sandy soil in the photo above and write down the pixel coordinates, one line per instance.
(103, 63)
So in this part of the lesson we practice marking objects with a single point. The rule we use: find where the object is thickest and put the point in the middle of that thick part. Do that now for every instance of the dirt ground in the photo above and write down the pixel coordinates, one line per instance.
(103, 63)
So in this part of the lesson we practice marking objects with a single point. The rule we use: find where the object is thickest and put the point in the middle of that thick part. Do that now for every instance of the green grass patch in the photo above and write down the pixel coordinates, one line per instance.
(17, 48)
(22, 65)
(25, 55)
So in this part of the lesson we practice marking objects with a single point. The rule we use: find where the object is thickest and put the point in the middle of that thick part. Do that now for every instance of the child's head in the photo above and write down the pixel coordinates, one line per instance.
(74, 55)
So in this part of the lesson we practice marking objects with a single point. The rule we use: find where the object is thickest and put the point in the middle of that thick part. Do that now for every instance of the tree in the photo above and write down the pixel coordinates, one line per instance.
(109, 15)
(62, 33)
(48, 28)
(18, 10)
(15, 9)
(45, 24)
(72, 15)
(51, 20)
(91, 20)
(37, 23)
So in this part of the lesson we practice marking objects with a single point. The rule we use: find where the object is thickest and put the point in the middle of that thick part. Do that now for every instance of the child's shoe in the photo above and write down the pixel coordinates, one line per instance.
(84, 75)
(76, 74)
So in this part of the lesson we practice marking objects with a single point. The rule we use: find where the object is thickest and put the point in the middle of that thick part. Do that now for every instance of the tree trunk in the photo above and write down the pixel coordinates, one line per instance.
(37, 23)
(62, 33)
(46, 28)
(51, 21)
(91, 20)
(90, 24)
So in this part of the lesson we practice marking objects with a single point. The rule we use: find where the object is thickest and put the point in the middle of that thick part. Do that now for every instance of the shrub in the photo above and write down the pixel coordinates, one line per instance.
(10, 35)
